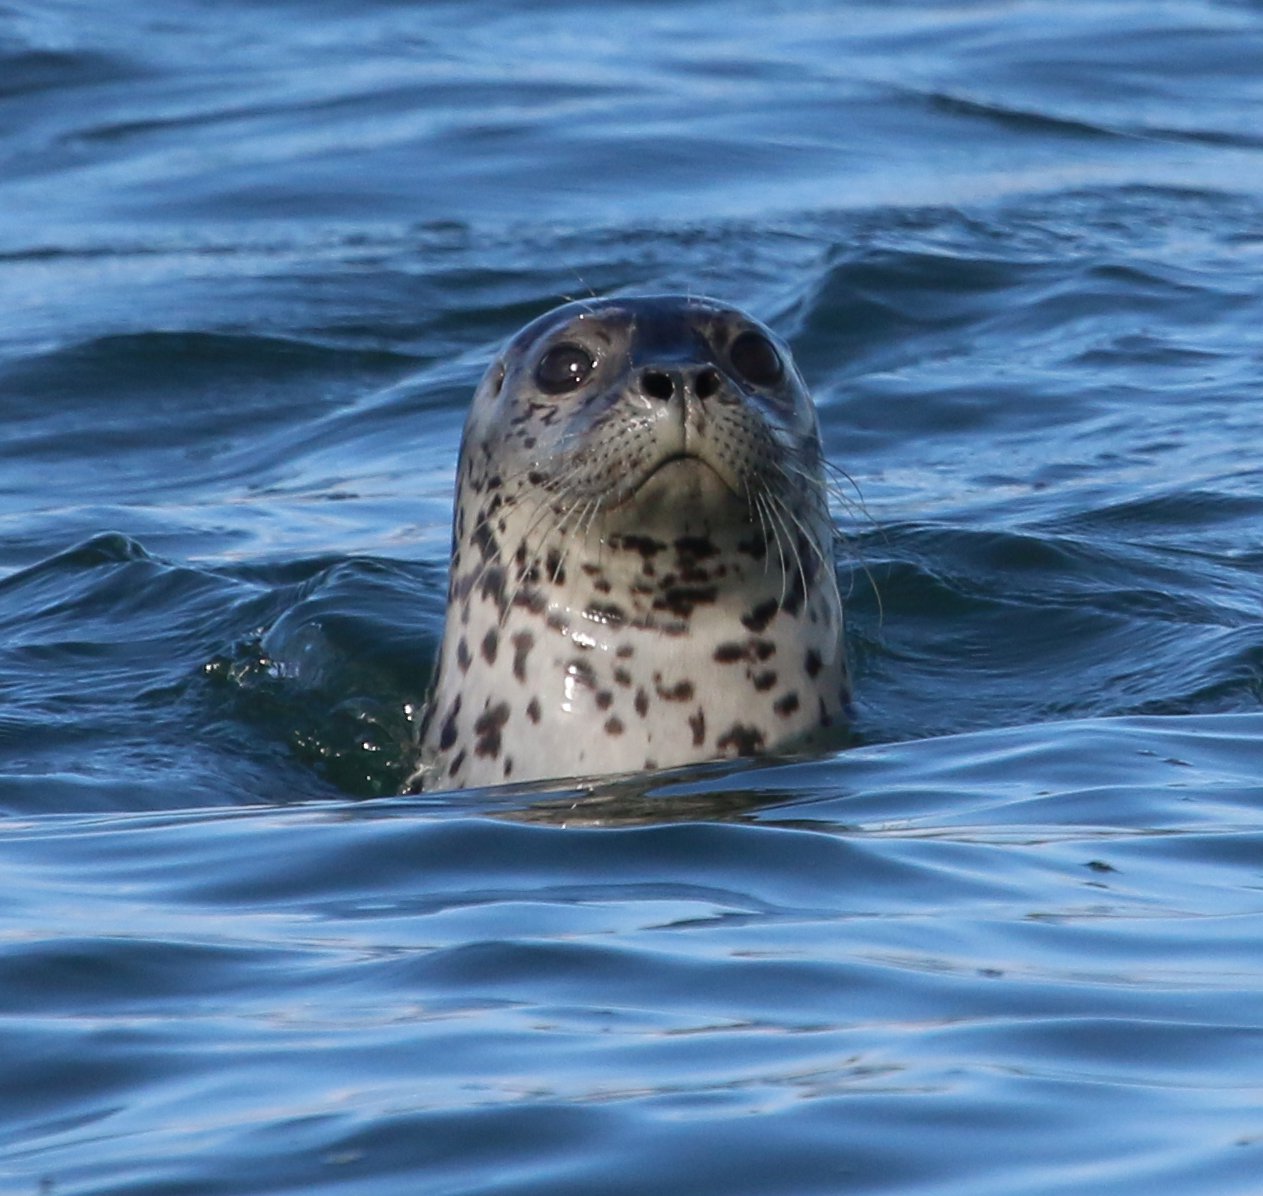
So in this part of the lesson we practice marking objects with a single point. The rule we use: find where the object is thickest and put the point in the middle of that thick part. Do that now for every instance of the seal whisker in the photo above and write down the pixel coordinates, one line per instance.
(795, 553)
(542, 505)
(841, 538)
(825, 561)
(757, 507)
(838, 475)
(475, 534)
(819, 507)
(586, 521)
(778, 529)
(533, 560)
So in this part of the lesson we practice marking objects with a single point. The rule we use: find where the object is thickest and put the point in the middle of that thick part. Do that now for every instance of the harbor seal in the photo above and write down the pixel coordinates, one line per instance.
(642, 571)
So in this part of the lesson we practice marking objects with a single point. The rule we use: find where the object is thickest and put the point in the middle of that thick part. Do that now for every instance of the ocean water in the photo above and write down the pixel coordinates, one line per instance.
(1009, 940)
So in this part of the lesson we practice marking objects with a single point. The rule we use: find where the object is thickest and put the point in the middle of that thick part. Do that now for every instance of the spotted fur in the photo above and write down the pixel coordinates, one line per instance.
(641, 565)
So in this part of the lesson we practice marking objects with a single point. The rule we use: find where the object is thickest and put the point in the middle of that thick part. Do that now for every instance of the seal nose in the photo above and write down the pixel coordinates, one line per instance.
(668, 384)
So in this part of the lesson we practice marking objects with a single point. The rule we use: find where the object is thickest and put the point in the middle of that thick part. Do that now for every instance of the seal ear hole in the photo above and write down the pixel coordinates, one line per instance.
(563, 368)
(756, 359)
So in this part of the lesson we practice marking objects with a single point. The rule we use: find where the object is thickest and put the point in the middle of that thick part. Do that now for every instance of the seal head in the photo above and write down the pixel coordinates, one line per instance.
(642, 572)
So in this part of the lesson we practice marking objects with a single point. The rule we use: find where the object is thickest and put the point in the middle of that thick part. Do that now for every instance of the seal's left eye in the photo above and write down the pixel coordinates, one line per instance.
(756, 359)
(564, 368)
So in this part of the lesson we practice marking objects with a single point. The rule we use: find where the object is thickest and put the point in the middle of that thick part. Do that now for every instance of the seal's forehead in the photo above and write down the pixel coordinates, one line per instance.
(649, 318)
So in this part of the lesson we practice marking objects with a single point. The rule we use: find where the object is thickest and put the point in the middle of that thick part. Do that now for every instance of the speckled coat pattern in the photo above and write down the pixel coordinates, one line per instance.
(642, 572)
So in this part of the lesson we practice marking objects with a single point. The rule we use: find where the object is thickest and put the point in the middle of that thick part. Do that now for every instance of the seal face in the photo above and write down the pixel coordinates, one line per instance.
(641, 567)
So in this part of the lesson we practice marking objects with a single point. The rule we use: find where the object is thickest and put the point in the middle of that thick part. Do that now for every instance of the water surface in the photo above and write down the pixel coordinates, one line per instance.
(253, 258)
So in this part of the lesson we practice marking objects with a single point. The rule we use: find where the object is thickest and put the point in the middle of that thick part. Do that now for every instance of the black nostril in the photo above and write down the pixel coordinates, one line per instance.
(657, 385)
(706, 384)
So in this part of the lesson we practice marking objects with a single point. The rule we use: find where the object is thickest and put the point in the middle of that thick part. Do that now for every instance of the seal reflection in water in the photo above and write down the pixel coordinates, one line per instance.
(642, 573)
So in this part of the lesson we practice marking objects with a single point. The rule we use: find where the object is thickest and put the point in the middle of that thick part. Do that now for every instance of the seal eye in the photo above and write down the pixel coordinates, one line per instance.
(756, 359)
(564, 368)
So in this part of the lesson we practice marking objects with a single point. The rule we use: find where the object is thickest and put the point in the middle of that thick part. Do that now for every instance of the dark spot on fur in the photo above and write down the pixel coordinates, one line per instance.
(680, 600)
(554, 567)
(536, 478)
(613, 725)
(813, 663)
(508, 766)
(490, 645)
(457, 761)
(826, 719)
(604, 699)
(488, 727)
(698, 724)
(787, 705)
(697, 547)
(532, 599)
(492, 586)
(743, 739)
(533, 711)
(762, 649)
(730, 653)
(523, 642)
(622, 676)
(625, 652)
(487, 544)
(764, 680)
(681, 691)
(447, 735)
(582, 672)
(642, 703)
(761, 615)
(645, 545)
(462, 655)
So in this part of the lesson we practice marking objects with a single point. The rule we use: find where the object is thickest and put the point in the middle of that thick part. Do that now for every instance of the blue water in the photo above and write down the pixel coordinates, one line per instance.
(253, 257)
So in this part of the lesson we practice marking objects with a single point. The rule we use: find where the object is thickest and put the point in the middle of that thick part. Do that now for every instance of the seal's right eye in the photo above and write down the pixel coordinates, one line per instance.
(756, 359)
(564, 368)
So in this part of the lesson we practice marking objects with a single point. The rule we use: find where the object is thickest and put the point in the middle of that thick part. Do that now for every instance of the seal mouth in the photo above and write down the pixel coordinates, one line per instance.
(682, 458)
(679, 482)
